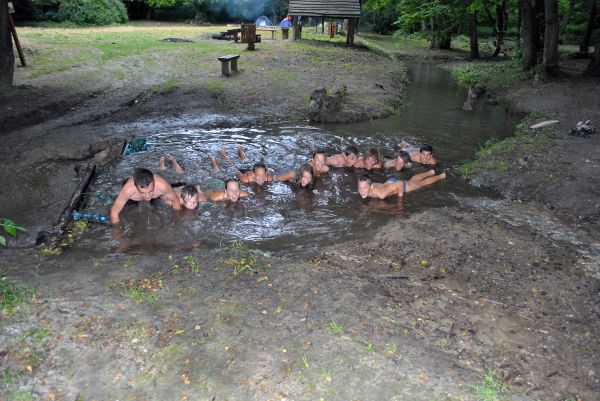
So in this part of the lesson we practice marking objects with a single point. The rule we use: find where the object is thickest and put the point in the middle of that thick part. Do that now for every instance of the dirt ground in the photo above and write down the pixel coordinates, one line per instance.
(424, 310)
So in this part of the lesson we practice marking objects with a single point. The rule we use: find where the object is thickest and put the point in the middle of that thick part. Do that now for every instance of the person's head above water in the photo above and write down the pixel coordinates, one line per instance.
(351, 153)
(232, 189)
(319, 160)
(305, 176)
(144, 182)
(260, 173)
(426, 151)
(189, 196)
(364, 185)
(402, 160)
(372, 158)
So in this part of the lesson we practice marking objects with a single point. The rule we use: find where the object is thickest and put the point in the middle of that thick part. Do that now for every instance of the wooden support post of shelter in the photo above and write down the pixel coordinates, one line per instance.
(11, 25)
(350, 9)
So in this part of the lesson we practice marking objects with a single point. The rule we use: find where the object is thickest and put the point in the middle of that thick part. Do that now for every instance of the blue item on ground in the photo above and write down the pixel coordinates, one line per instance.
(89, 216)
(136, 145)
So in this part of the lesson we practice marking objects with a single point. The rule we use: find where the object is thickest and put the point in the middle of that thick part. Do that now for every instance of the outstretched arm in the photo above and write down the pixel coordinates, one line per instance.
(242, 154)
(289, 176)
(243, 177)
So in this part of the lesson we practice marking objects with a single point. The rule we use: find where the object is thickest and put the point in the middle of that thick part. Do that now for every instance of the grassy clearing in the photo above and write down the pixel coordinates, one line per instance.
(58, 49)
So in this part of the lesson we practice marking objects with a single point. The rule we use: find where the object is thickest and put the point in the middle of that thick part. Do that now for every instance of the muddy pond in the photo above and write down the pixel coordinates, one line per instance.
(278, 218)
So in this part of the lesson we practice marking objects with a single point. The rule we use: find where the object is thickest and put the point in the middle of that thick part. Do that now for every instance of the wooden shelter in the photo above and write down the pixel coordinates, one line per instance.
(347, 9)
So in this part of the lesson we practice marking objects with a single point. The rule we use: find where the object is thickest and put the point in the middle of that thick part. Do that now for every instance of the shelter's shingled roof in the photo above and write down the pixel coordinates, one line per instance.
(325, 8)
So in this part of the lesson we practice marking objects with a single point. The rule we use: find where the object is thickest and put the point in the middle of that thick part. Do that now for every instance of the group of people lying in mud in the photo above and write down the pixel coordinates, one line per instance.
(145, 185)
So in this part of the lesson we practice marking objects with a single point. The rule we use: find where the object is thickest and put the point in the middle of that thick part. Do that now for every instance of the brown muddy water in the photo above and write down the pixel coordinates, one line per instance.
(278, 218)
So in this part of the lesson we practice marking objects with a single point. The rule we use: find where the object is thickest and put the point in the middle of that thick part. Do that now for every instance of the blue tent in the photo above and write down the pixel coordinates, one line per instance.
(263, 20)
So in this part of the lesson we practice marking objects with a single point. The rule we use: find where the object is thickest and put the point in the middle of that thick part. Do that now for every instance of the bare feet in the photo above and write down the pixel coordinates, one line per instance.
(214, 164)
(161, 163)
(242, 154)
(443, 175)
(431, 172)
(178, 168)
(224, 155)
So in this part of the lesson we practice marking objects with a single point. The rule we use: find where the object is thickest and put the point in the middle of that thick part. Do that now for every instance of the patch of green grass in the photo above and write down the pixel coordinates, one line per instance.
(489, 155)
(217, 90)
(390, 348)
(138, 295)
(335, 328)
(13, 296)
(21, 396)
(242, 259)
(165, 87)
(490, 388)
(490, 73)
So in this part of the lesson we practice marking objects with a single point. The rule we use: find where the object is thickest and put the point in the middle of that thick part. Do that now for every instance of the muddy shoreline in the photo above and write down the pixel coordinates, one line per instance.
(423, 310)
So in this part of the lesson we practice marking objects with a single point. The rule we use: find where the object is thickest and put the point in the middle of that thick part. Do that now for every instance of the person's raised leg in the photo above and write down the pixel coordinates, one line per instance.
(242, 154)
(413, 185)
(422, 176)
(161, 163)
(214, 164)
(224, 155)
(176, 165)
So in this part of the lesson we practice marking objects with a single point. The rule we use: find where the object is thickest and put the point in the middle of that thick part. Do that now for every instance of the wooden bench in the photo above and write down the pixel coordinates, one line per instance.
(225, 60)
(272, 29)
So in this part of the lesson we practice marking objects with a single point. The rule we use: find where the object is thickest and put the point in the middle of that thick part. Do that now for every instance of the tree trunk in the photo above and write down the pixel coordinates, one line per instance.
(7, 56)
(584, 46)
(594, 67)
(474, 40)
(550, 58)
(519, 25)
(529, 32)
(500, 13)
(149, 13)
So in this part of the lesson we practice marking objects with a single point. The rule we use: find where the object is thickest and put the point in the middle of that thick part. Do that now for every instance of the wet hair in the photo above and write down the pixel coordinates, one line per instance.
(188, 191)
(404, 156)
(425, 148)
(308, 169)
(231, 180)
(142, 177)
(351, 150)
(259, 165)
(374, 153)
(318, 152)
(364, 178)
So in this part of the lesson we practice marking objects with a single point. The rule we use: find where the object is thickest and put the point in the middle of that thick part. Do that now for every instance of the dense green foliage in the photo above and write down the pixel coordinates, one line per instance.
(79, 12)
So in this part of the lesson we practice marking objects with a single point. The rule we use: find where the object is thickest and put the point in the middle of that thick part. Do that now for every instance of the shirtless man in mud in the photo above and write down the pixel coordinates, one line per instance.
(399, 162)
(395, 186)
(144, 185)
(422, 154)
(231, 192)
(346, 159)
